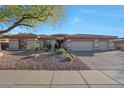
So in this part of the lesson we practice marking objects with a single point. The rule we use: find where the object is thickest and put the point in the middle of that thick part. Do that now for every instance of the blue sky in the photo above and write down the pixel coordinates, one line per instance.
(101, 20)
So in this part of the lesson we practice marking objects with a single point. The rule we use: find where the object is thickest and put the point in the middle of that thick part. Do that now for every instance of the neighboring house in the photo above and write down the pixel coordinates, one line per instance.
(119, 43)
(4, 43)
(77, 42)
(21, 41)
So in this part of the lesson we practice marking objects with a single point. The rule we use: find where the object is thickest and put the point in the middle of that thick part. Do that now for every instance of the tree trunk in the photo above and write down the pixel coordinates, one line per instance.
(9, 29)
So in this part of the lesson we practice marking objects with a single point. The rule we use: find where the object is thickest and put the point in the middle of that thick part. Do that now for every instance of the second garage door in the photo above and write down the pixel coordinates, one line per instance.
(103, 45)
(81, 46)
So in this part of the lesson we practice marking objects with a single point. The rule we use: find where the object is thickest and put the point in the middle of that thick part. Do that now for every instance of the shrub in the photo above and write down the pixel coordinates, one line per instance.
(73, 56)
(60, 51)
(46, 49)
(27, 49)
(68, 57)
(37, 47)
(49, 47)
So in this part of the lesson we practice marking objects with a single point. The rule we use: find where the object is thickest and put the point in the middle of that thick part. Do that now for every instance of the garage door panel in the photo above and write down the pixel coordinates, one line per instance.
(103, 45)
(81, 45)
(14, 44)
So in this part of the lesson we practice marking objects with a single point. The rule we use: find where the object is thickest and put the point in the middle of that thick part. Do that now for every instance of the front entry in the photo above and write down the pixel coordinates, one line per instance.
(59, 43)
(22, 44)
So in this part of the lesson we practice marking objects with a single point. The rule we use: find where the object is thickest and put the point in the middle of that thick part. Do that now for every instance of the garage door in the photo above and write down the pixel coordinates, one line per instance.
(103, 45)
(81, 45)
(14, 44)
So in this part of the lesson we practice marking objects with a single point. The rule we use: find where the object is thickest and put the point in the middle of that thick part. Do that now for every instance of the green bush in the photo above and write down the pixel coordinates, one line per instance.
(49, 47)
(27, 49)
(37, 47)
(69, 57)
(73, 56)
(60, 51)
(46, 49)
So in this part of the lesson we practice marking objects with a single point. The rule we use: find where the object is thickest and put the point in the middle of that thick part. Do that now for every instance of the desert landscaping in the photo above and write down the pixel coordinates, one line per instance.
(35, 60)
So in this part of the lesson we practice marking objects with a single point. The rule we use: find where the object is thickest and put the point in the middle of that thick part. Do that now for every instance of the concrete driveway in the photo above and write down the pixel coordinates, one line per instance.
(111, 60)
(110, 63)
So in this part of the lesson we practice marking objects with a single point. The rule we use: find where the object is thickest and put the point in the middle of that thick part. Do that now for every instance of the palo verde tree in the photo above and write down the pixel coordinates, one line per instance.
(21, 15)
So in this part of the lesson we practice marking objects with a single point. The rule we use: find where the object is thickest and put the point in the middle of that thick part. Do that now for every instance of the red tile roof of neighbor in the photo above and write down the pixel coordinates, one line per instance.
(75, 36)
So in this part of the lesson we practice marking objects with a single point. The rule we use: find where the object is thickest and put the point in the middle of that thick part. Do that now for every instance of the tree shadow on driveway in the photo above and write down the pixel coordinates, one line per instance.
(88, 53)
(83, 53)
(24, 53)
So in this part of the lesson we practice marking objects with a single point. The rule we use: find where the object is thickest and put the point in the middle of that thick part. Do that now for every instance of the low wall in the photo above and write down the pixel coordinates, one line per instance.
(1, 54)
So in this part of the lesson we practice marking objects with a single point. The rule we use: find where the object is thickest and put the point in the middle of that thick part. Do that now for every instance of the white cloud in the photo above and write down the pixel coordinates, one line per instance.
(105, 13)
(112, 14)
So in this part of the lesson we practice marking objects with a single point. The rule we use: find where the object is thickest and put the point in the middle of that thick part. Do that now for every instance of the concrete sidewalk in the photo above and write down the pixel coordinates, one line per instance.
(61, 79)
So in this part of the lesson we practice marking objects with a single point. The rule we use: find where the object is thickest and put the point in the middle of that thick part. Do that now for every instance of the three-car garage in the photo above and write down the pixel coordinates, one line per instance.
(89, 45)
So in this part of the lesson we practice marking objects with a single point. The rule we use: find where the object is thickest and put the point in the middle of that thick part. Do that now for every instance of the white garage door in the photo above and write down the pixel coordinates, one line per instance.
(103, 45)
(14, 44)
(81, 45)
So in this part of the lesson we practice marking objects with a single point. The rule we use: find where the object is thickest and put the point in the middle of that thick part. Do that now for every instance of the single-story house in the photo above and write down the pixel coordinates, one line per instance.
(77, 42)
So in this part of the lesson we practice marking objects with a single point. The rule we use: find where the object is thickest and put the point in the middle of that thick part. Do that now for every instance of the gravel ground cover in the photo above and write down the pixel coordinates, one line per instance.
(41, 61)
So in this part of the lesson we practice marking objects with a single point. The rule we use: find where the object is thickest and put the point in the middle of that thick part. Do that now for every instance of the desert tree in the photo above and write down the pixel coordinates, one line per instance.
(12, 16)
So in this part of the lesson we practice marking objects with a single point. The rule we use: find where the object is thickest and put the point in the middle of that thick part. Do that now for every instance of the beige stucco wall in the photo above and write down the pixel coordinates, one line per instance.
(0, 46)
(1, 54)
(31, 43)
(41, 43)
(111, 45)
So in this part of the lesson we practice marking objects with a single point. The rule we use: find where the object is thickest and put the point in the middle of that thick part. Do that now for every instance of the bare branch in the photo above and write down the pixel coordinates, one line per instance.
(25, 25)
(13, 26)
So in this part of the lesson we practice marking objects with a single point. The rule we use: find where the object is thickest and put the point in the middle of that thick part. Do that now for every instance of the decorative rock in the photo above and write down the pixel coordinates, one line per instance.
(62, 57)
(41, 62)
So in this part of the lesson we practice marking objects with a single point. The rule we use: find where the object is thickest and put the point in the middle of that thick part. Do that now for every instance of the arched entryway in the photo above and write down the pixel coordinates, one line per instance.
(59, 43)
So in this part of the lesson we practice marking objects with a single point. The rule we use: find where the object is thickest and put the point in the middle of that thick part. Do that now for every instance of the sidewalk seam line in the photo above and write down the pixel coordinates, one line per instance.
(84, 79)
(52, 79)
(111, 77)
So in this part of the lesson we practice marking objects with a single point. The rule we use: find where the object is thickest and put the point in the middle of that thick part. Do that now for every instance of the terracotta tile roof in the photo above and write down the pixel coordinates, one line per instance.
(66, 36)
(45, 37)
(61, 35)
(90, 36)
(4, 40)
(23, 36)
